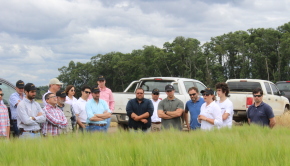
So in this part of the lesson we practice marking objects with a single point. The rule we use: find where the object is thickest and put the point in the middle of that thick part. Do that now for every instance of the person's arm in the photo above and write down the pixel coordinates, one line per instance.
(107, 113)
(228, 111)
(249, 121)
(129, 108)
(272, 122)
(162, 115)
(143, 116)
(13, 101)
(185, 116)
(57, 121)
(22, 115)
(90, 114)
(177, 113)
(40, 117)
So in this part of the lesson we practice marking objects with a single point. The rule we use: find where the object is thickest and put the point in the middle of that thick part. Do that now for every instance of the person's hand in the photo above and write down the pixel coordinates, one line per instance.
(188, 127)
(39, 114)
(137, 118)
(133, 115)
(201, 117)
(144, 121)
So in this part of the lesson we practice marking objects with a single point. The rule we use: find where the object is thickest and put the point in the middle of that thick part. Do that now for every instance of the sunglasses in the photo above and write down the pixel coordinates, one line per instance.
(192, 94)
(155, 93)
(87, 92)
(139, 93)
(205, 94)
(72, 90)
(2, 94)
(51, 97)
(101, 81)
(169, 91)
(257, 95)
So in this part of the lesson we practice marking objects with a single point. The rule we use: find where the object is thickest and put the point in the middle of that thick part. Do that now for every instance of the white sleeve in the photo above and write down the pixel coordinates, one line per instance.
(217, 114)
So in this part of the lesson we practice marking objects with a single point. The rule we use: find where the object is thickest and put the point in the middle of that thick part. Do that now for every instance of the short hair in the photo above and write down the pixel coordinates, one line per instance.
(68, 88)
(140, 89)
(224, 87)
(85, 87)
(257, 90)
(0, 89)
(47, 96)
(193, 88)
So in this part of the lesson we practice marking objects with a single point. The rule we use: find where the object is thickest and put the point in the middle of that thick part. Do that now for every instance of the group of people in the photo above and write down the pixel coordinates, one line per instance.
(62, 112)
(206, 112)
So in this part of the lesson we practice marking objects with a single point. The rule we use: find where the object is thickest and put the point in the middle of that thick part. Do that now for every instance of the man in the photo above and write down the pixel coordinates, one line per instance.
(55, 118)
(170, 110)
(107, 95)
(260, 113)
(14, 100)
(54, 86)
(97, 111)
(29, 113)
(225, 104)
(193, 106)
(80, 107)
(67, 109)
(155, 120)
(4, 118)
(139, 111)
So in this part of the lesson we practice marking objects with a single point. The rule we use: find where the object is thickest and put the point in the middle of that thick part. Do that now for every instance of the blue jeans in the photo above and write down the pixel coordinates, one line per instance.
(96, 128)
(108, 123)
(30, 135)
(15, 129)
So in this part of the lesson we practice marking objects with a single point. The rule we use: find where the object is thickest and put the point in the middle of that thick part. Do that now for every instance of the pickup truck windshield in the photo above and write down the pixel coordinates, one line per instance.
(243, 86)
(283, 86)
(149, 85)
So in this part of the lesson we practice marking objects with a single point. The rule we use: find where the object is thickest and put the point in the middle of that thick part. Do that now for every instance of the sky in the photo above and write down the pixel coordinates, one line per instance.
(38, 36)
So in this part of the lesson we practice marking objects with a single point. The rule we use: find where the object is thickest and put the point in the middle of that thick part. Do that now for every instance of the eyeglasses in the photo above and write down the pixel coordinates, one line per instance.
(169, 91)
(139, 93)
(257, 95)
(87, 92)
(72, 90)
(192, 94)
(101, 81)
(2, 94)
(51, 97)
(155, 93)
(205, 94)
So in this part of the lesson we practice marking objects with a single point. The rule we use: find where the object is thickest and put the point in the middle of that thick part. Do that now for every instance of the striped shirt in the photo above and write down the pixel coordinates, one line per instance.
(55, 120)
(4, 120)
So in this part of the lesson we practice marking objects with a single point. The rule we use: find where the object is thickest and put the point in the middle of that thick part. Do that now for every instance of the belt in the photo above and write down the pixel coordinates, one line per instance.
(37, 131)
(156, 122)
(94, 124)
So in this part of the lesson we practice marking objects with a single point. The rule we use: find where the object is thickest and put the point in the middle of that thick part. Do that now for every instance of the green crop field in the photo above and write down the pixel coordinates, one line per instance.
(241, 145)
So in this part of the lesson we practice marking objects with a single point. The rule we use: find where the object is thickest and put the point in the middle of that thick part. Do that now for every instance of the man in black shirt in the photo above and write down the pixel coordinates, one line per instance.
(139, 111)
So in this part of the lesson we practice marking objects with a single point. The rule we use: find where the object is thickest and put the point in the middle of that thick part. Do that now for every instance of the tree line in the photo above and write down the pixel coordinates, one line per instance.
(261, 53)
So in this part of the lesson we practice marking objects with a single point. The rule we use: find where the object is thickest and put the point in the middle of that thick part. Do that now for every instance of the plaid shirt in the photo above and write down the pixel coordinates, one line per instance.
(55, 120)
(4, 120)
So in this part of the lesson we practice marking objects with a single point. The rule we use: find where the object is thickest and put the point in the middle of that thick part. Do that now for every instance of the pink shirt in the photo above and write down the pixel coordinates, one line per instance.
(107, 95)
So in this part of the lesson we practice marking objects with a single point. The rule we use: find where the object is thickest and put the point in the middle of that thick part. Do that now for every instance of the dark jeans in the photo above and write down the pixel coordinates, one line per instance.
(15, 129)
(96, 128)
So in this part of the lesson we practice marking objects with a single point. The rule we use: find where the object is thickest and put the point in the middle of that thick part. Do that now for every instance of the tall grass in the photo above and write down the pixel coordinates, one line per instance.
(242, 145)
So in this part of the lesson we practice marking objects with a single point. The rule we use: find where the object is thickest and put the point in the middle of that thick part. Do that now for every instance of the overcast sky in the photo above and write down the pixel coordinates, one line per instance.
(38, 36)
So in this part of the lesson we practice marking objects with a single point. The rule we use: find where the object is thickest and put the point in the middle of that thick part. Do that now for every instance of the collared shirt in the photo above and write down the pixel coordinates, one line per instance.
(194, 110)
(4, 120)
(260, 115)
(80, 109)
(227, 107)
(70, 101)
(107, 95)
(13, 100)
(154, 117)
(211, 111)
(55, 120)
(92, 108)
(171, 105)
(43, 97)
(27, 109)
(133, 106)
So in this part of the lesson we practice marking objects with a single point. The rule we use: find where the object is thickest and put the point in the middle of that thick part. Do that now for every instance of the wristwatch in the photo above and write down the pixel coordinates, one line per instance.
(165, 112)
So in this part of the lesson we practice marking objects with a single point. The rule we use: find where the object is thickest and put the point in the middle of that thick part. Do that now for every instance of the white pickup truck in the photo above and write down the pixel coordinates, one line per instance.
(242, 97)
(181, 86)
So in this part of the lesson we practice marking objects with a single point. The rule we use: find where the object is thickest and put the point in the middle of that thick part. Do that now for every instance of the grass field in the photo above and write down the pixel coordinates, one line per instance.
(241, 145)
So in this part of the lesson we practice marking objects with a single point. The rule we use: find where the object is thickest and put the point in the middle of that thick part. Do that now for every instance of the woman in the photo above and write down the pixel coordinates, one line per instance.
(225, 104)
(210, 113)
(70, 92)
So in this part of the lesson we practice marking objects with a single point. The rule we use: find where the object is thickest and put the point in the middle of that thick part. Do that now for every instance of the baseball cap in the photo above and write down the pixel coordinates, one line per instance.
(55, 81)
(207, 91)
(61, 93)
(20, 84)
(95, 89)
(155, 90)
(29, 87)
(101, 78)
(169, 87)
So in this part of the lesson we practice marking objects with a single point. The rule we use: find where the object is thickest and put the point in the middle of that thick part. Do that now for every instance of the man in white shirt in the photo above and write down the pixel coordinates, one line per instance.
(80, 107)
(54, 86)
(155, 120)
